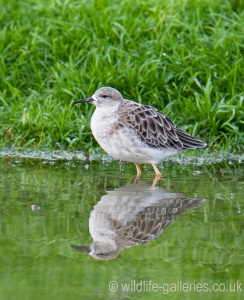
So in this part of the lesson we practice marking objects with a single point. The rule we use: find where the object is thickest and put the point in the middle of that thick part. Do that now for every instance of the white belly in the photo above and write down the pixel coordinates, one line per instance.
(123, 143)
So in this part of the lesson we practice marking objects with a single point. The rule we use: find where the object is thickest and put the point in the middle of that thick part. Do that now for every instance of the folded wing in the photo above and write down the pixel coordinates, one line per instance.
(155, 129)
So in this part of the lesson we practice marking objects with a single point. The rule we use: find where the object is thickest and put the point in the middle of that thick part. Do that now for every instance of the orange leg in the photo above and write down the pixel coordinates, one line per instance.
(138, 169)
(155, 181)
(157, 173)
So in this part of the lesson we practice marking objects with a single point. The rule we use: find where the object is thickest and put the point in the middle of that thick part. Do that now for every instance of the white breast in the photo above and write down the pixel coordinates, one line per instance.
(123, 143)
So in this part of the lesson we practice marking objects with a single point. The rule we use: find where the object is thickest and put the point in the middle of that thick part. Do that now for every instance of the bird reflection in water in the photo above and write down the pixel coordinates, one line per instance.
(132, 215)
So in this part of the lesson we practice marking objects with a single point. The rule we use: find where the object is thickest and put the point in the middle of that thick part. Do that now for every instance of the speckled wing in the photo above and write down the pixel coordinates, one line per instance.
(155, 129)
(152, 220)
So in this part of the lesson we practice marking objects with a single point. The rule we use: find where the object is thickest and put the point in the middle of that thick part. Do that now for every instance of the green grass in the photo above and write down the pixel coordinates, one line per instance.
(183, 57)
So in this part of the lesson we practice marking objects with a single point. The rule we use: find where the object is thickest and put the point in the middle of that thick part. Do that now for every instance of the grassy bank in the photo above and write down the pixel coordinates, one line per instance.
(184, 57)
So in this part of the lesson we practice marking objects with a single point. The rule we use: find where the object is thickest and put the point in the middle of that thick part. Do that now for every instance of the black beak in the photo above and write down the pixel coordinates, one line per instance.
(84, 249)
(86, 100)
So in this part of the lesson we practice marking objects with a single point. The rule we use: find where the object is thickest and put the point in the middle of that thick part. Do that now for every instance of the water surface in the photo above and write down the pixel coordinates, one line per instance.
(183, 238)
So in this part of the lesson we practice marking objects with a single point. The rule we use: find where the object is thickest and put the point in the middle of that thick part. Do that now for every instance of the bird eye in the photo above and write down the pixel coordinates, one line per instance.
(104, 96)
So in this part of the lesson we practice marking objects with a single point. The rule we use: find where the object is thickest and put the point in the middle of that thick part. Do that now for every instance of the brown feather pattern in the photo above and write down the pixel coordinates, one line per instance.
(152, 220)
(155, 129)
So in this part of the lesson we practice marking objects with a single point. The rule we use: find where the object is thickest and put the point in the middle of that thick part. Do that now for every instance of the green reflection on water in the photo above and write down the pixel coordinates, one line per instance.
(203, 245)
